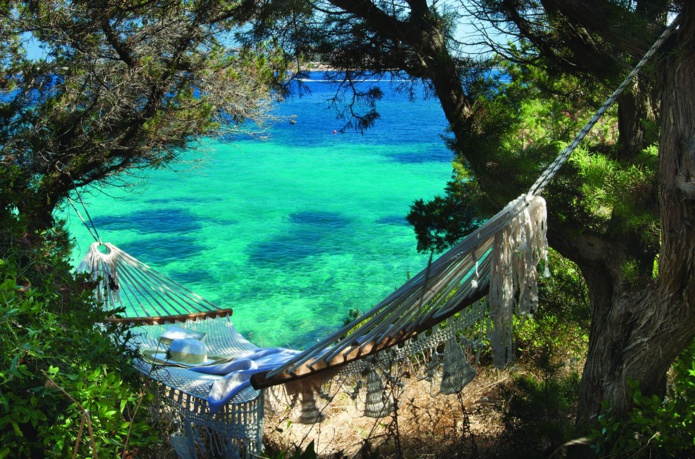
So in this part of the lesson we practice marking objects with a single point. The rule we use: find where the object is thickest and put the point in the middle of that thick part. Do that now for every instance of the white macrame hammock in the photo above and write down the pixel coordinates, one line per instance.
(475, 289)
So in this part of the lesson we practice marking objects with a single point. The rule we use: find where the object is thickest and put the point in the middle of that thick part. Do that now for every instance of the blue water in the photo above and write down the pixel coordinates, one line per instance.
(291, 232)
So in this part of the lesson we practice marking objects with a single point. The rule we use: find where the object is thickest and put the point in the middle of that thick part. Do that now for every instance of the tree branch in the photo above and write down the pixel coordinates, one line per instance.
(123, 52)
(599, 17)
(379, 20)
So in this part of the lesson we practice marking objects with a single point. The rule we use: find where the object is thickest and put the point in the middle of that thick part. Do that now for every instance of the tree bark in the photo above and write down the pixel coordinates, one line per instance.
(635, 108)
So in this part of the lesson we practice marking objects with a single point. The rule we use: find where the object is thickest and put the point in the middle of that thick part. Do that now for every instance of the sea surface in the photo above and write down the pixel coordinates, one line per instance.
(294, 231)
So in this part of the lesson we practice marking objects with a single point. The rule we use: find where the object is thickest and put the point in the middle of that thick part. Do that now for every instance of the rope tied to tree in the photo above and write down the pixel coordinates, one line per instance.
(555, 166)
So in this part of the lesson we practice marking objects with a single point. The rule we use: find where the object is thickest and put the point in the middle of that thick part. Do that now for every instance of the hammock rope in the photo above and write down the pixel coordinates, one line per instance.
(91, 228)
(555, 166)
(123, 282)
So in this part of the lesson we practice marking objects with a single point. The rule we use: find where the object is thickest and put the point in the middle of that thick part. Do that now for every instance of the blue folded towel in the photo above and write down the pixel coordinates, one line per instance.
(237, 373)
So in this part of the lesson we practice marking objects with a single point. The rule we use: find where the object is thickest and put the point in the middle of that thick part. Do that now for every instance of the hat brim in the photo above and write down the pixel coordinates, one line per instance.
(159, 357)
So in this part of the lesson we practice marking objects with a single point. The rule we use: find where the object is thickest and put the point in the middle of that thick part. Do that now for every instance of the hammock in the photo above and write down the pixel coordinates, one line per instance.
(497, 262)
(454, 281)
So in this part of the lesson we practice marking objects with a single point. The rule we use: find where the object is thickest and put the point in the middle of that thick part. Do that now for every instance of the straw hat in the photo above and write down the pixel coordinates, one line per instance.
(185, 352)
(174, 332)
(189, 351)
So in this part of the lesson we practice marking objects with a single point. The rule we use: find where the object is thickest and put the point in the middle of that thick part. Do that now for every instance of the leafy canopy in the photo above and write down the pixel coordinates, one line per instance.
(121, 86)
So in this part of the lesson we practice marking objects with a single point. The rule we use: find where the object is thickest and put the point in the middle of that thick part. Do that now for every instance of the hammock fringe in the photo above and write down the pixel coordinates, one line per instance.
(517, 251)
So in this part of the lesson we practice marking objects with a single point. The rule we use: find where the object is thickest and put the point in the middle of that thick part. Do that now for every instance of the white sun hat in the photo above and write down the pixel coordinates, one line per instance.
(175, 332)
(189, 351)
(185, 352)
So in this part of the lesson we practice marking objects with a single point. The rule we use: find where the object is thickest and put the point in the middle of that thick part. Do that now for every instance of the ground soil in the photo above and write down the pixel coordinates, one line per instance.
(427, 425)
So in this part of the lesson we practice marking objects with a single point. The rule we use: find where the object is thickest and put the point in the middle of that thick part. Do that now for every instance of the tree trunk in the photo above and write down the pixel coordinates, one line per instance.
(635, 108)
(638, 335)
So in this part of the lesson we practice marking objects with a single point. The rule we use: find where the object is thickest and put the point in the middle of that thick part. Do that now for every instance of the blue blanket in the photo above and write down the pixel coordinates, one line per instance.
(237, 373)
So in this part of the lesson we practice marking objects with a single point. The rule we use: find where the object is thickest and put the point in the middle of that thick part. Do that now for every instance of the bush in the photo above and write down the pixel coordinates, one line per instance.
(655, 427)
(562, 320)
(541, 400)
(539, 415)
(66, 384)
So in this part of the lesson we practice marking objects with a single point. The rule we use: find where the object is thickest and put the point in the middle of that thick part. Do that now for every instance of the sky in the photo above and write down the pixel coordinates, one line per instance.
(467, 32)
(32, 47)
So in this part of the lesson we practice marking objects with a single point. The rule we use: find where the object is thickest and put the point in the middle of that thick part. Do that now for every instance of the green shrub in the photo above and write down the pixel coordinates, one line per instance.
(654, 427)
(542, 398)
(66, 383)
(539, 415)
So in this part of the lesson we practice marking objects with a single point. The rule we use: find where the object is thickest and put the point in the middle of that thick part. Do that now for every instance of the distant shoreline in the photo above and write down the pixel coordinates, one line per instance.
(318, 67)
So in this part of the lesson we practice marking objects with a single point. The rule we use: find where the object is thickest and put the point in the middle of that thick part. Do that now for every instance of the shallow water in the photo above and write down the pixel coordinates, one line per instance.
(292, 232)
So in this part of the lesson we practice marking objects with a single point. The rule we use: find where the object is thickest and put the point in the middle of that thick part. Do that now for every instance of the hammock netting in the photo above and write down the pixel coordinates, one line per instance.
(435, 324)
(235, 430)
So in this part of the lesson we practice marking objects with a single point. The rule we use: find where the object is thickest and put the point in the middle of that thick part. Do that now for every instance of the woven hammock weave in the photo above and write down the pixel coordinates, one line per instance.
(152, 300)
(222, 341)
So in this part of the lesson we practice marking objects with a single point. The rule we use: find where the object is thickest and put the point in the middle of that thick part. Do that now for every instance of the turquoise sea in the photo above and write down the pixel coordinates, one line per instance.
(291, 232)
